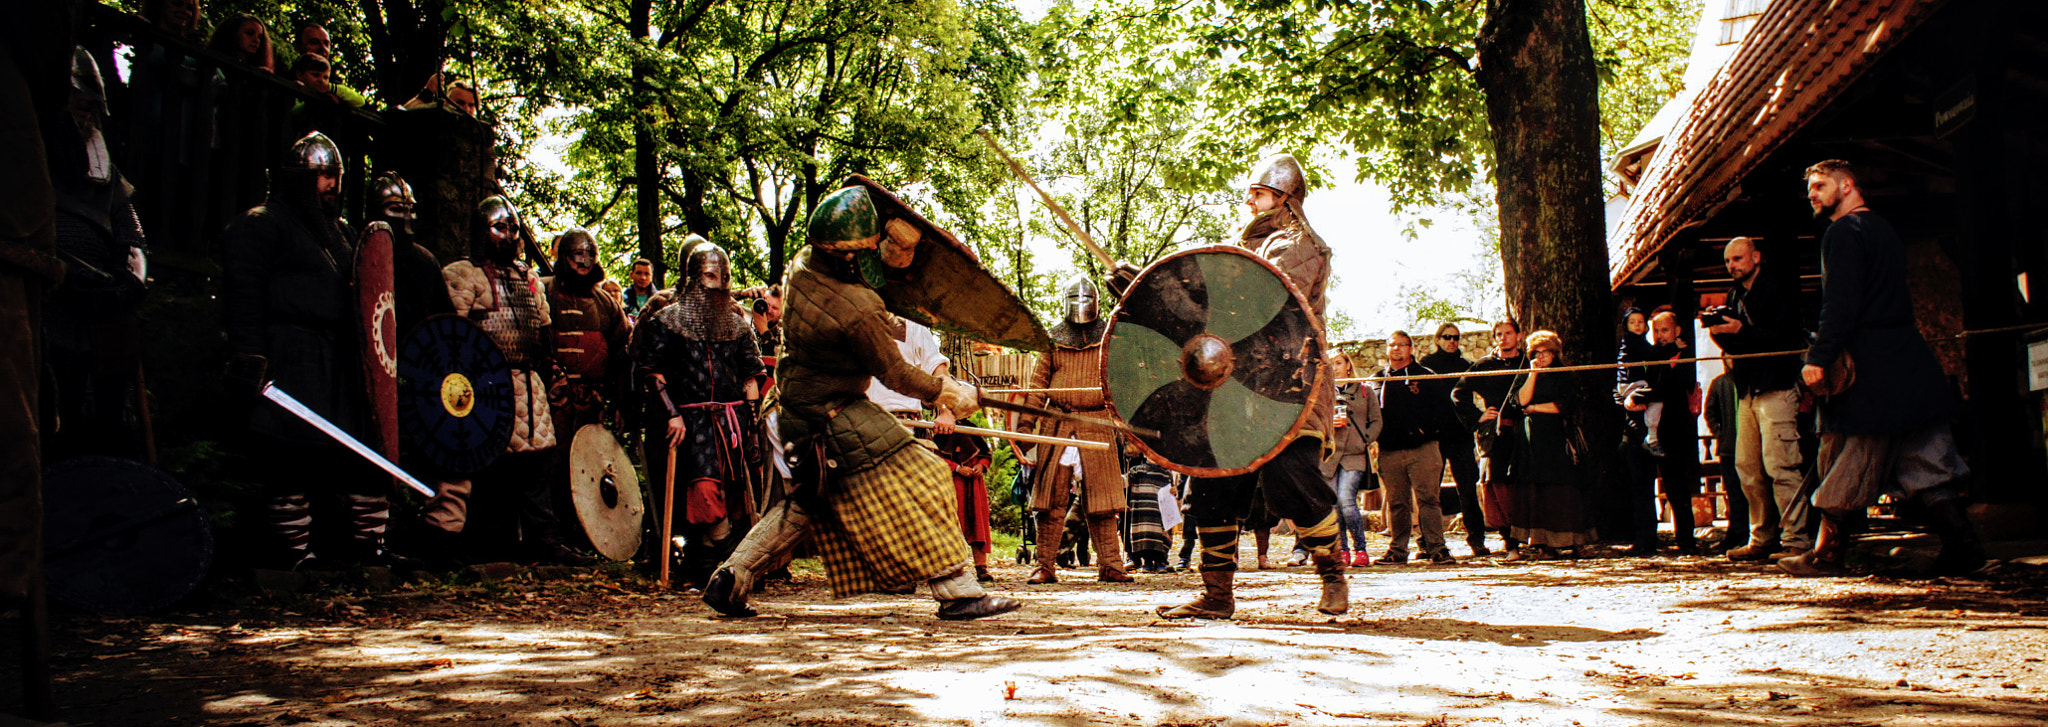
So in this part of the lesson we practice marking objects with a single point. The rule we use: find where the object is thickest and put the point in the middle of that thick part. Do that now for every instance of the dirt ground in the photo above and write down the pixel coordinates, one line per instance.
(1598, 641)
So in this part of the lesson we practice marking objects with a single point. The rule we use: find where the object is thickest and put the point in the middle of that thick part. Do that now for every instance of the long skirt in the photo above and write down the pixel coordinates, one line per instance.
(895, 524)
(971, 495)
(1548, 515)
(1148, 532)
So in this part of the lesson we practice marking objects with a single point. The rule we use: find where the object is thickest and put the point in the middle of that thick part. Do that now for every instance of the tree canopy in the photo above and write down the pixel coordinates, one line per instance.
(1135, 114)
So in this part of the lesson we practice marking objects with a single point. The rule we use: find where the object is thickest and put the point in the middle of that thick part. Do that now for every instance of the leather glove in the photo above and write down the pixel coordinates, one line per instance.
(1120, 279)
(960, 398)
(245, 375)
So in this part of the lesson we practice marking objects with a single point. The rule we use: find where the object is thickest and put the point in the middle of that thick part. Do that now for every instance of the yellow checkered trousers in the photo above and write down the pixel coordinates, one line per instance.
(892, 525)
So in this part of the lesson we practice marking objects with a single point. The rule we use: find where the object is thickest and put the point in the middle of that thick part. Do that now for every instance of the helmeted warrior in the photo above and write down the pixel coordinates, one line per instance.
(91, 332)
(504, 297)
(291, 320)
(589, 336)
(1291, 483)
(701, 372)
(417, 287)
(1075, 362)
(883, 503)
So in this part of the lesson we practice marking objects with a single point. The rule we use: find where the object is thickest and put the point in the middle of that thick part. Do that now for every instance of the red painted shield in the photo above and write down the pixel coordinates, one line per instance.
(380, 335)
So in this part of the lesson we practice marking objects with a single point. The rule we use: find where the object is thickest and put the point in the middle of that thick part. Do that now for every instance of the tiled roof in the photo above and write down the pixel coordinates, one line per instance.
(1797, 59)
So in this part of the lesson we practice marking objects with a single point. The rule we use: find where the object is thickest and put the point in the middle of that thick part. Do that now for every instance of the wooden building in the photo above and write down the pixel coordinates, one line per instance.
(1940, 103)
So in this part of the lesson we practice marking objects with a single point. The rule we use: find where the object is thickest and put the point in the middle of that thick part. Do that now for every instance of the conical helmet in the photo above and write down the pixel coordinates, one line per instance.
(314, 152)
(1281, 173)
(845, 220)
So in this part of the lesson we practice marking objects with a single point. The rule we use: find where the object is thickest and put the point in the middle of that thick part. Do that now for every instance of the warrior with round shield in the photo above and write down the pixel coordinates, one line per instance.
(1075, 362)
(882, 501)
(701, 373)
(1291, 482)
(589, 335)
(291, 320)
(502, 295)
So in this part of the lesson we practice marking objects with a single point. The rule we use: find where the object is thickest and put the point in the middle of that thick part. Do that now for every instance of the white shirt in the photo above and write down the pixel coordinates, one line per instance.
(921, 349)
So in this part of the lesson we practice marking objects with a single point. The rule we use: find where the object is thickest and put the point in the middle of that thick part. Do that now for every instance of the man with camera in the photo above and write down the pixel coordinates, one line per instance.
(1762, 315)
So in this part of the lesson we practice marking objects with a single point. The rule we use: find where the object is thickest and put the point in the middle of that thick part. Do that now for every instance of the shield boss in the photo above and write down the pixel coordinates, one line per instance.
(1214, 349)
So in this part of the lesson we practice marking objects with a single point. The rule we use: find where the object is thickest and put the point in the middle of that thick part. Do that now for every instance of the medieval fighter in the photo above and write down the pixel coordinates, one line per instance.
(1075, 361)
(881, 500)
(1291, 483)
(701, 373)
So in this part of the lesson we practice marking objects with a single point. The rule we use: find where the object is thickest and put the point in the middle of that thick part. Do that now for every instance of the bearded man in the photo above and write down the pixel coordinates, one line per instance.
(504, 297)
(882, 501)
(1075, 362)
(1291, 483)
(291, 320)
(701, 371)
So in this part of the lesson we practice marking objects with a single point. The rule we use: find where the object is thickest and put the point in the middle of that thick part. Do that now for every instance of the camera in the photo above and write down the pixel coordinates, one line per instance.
(1718, 315)
(759, 306)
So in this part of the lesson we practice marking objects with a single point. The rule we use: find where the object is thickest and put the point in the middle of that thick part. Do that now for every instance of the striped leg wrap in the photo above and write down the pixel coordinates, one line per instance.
(1219, 547)
(368, 517)
(1320, 538)
(291, 523)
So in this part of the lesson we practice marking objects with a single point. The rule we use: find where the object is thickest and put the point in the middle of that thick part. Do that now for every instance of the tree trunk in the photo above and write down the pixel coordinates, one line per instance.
(1543, 107)
(646, 158)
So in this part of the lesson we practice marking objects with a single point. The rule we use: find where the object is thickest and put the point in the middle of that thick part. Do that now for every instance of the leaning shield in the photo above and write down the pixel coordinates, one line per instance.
(121, 537)
(944, 285)
(454, 394)
(1215, 349)
(606, 492)
(379, 323)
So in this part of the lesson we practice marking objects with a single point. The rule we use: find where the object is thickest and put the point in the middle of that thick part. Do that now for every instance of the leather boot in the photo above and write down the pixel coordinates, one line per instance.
(1050, 531)
(1961, 551)
(961, 598)
(766, 548)
(1825, 558)
(1336, 598)
(1109, 556)
(1218, 600)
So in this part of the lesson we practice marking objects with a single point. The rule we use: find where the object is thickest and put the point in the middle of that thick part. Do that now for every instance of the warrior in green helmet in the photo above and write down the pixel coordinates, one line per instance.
(882, 501)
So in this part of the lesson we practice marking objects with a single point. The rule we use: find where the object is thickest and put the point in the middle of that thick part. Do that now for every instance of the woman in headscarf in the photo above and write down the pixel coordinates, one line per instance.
(1546, 502)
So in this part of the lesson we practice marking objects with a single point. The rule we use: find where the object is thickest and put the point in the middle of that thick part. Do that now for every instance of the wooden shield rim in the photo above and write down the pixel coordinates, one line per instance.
(628, 502)
(1308, 406)
(889, 205)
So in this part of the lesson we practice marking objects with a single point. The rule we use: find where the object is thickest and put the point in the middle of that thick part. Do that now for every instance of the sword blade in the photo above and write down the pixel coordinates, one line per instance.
(277, 396)
(994, 403)
(1019, 436)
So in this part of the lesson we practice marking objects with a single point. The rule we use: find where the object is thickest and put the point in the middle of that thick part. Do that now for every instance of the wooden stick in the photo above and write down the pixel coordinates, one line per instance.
(1101, 256)
(1019, 436)
(668, 512)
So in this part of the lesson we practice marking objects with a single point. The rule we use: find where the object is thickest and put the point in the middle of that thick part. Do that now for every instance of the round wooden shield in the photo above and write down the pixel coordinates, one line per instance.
(121, 536)
(606, 492)
(454, 394)
(1213, 348)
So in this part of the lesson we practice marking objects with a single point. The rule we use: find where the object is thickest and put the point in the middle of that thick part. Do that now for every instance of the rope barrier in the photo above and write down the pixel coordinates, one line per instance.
(1560, 369)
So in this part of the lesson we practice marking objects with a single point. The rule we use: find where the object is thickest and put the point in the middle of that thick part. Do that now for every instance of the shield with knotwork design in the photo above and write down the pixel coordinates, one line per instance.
(1213, 348)
(454, 394)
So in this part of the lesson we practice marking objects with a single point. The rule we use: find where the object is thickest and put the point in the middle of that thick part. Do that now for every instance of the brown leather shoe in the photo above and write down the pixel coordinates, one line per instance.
(1042, 576)
(1753, 552)
(1114, 576)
